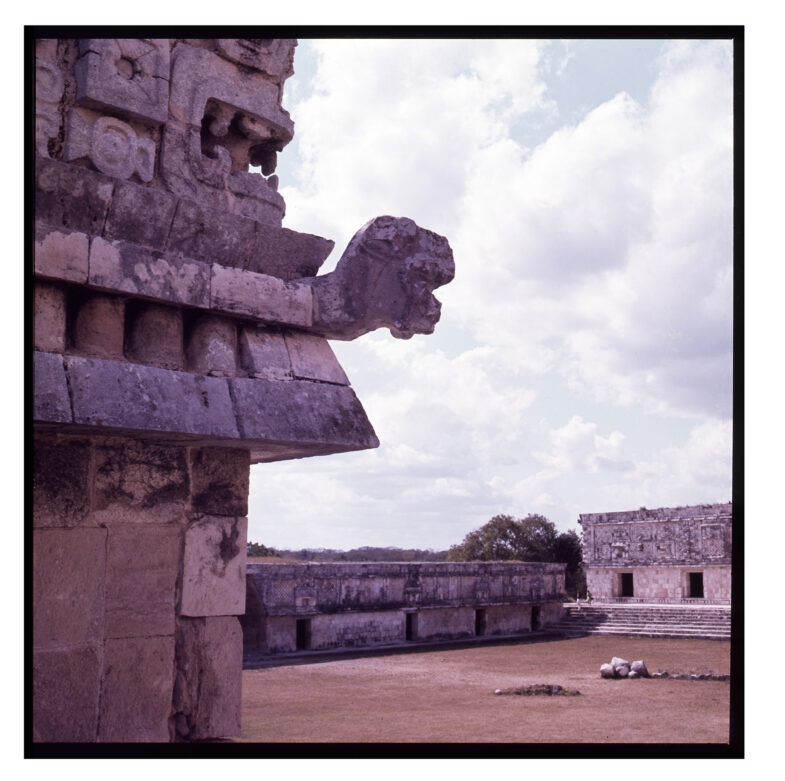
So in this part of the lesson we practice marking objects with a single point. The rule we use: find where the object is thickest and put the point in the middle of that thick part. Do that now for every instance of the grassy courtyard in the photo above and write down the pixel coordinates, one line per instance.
(447, 696)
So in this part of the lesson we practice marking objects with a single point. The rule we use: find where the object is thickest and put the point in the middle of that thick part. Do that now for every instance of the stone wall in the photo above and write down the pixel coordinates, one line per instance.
(659, 549)
(180, 334)
(365, 604)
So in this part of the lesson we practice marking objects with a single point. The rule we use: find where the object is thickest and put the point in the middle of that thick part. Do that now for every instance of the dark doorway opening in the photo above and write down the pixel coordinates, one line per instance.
(479, 621)
(535, 617)
(303, 634)
(411, 626)
(627, 588)
(696, 585)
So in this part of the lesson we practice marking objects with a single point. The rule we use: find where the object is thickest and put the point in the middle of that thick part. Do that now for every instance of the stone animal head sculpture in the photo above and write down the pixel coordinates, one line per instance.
(384, 278)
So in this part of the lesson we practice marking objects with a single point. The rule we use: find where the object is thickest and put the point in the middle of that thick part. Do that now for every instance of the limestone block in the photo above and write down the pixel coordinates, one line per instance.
(141, 215)
(205, 234)
(61, 481)
(66, 684)
(129, 75)
(51, 401)
(261, 296)
(142, 566)
(113, 146)
(273, 56)
(98, 327)
(155, 336)
(71, 197)
(48, 318)
(607, 671)
(313, 358)
(384, 279)
(128, 268)
(214, 567)
(639, 668)
(199, 76)
(211, 346)
(220, 479)
(136, 697)
(60, 254)
(207, 701)
(143, 398)
(287, 254)
(48, 92)
(300, 411)
(263, 353)
(139, 482)
(68, 587)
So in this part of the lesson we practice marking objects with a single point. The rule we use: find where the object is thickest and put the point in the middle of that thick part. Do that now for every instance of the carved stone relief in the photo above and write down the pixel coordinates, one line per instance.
(48, 92)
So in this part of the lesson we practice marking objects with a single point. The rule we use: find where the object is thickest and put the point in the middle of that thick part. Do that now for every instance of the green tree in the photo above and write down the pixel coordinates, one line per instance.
(533, 538)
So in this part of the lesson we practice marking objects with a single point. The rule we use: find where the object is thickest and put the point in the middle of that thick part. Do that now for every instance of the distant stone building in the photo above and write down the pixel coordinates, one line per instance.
(312, 606)
(671, 554)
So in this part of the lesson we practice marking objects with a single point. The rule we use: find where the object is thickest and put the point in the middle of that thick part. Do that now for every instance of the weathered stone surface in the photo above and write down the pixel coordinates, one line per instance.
(155, 336)
(128, 268)
(141, 576)
(607, 671)
(639, 667)
(66, 684)
(207, 698)
(48, 318)
(384, 279)
(313, 358)
(61, 481)
(263, 353)
(261, 296)
(113, 146)
(139, 482)
(141, 215)
(98, 328)
(71, 197)
(617, 662)
(60, 254)
(220, 479)
(129, 75)
(48, 92)
(287, 254)
(205, 234)
(212, 346)
(68, 587)
(300, 411)
(214, 567)
(275, 57)
(144, 398)
(136, 697)
(51, 401)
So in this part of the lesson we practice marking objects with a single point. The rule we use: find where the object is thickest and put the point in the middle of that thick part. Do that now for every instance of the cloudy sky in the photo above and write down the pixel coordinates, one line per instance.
(583, 361)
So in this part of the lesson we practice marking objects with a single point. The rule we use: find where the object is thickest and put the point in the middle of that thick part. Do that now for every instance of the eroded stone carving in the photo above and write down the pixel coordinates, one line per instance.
(384, 278)
(129, 75)
(112, 145)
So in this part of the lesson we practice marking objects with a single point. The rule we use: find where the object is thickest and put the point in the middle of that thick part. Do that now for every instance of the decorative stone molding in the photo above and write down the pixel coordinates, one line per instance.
(48, 93)
(112, 146)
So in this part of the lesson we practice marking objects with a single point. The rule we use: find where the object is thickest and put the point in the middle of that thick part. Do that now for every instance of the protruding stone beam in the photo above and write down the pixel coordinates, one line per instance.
(384, 279)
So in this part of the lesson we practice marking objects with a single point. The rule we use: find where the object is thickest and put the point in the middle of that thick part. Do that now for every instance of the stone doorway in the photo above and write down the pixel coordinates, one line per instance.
(626, 585)
(695, 585)
(411, 626)
(479, 622)
(536, 619)
(303, 634)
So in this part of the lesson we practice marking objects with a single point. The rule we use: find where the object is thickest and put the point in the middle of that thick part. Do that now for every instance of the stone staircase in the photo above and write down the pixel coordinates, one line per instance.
(709, 622)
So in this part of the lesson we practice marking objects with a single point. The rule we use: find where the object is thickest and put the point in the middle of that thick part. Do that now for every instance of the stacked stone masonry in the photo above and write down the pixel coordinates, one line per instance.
(291, 607)
(180, 335)
(670, 554)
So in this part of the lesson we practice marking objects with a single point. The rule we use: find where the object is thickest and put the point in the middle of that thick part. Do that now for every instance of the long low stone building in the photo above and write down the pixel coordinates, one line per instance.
(296, 607)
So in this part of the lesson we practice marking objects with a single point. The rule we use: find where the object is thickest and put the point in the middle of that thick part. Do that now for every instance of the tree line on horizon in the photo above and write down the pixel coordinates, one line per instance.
(503, 538)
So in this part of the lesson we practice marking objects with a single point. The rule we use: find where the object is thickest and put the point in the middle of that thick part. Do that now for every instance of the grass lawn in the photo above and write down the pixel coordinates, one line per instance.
(447, 696)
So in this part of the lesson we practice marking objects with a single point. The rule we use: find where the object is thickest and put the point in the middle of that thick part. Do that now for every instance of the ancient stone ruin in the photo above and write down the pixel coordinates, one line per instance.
(302, 607)
(180, 335)
(670, 555)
